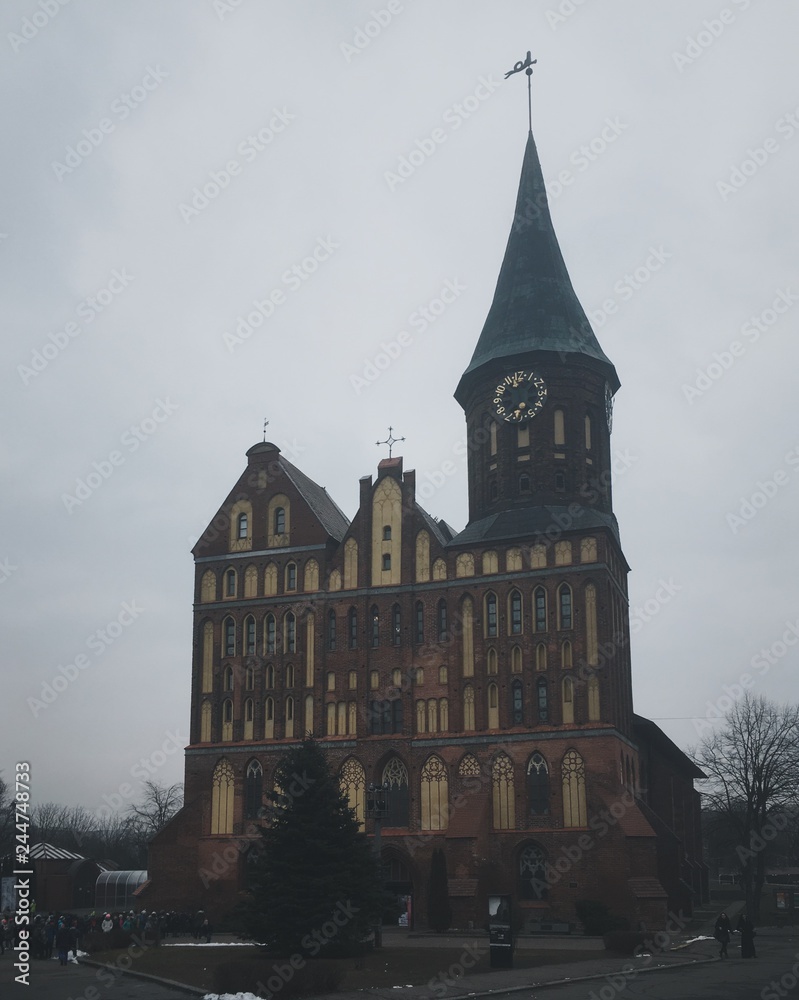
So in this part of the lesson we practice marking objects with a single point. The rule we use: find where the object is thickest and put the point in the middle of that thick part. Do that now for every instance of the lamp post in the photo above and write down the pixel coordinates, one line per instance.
(377, 810)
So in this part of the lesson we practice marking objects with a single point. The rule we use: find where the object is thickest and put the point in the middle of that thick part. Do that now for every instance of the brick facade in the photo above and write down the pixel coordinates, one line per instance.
(484, 676)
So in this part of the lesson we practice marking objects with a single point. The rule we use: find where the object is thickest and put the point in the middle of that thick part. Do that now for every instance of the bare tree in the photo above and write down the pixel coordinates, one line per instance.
(6, 819)
(158, 806)
(752, 768)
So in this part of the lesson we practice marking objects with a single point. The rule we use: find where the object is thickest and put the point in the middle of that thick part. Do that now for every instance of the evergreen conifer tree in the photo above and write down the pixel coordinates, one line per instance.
(315, 880)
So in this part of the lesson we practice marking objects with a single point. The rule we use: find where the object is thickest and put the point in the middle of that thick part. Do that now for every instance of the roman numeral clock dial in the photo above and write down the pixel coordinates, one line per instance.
(519, 396)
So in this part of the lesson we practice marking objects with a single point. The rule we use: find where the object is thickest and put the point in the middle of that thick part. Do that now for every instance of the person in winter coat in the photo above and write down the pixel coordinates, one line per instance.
(722, 933)
(747, 929)
(63, 941)
(108, 924)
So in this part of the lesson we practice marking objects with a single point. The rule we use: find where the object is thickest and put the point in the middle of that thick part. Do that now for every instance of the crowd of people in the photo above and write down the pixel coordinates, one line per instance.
(64, 934)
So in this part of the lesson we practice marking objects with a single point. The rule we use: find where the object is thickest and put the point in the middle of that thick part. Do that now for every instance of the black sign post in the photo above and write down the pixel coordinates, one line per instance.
(500, 932)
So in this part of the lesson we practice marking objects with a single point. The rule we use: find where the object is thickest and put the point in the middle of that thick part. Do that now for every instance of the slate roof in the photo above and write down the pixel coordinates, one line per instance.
(647, 732)
(439, 529)
(321, 503)
(533, 523)
(535, 308)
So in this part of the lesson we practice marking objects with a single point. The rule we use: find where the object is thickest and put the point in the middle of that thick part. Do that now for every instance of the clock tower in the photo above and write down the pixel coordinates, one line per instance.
(538, 392)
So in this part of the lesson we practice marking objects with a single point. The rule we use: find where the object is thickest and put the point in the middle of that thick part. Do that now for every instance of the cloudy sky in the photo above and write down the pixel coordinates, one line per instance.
(167, 166)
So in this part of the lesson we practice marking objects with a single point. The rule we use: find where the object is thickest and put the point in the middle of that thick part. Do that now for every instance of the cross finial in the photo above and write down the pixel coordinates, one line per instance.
(266, 424)
(390, 440)
(526, 65)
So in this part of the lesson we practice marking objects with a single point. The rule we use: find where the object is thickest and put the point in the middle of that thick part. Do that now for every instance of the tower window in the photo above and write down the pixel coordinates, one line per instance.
(396, 625)
(352, 628)
(387, 533)
(543, 706)
(560, 482)
(241, 526)
(291, 633)
(230, 583)
(524, 483)
(270, 634)
(559, 427)
(587, 432)
(565, 606)
(386, 561)
(280, 520)
(493, 490)
(331, 630)
(517, 704)
(419, 622)
(375, 626)
(491, 614)
(291, 576)
(230, 637)
(443, 634)
(515, 612)
(540, 598)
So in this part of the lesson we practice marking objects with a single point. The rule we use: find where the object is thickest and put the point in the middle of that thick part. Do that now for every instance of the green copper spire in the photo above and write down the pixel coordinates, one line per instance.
(535, 308)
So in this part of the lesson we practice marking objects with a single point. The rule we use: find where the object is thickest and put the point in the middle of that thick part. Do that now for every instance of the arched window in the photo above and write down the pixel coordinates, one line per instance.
(524, 483)
(504, 796)
(270, 580)
(208, 586)
(491, 660)
(443, 715)
(515, 613)
(443, 633)
(251, 582)
(533, 883)
(434, 794)
(568, 700)
(290, 633)
(249, 635)
(574, 805)
(587, 432)
(467, 633)
(421, 715)
(269, 676)
(249, 678)
(538, 557)
(222, 787)
(468, 708)
(540, 656)
(386, 532)
(540, 601)
(350, 564)
(374, 614)
(439, 570)
(591, 636)
(396, 677)
(309, 714)
(290, 675)
(269, 719)
(422, 557)
(442, 675)
(516, 660)
(432, 715)
(538, 785)
(386, 561)
(464, 565)
(253, 789)
(419, 627)
(564, 606)
(249, 715)
(492, 697)
(396, 625)
(395, 779)
(227, 720)
(593, 699)
(491, 614)
(352, 628)
(517, 703)
(289, 717)
(230, 583)
(559, 427)
(353, 784)
(374, 680)
(588, 550)
(291, 576)
(563, 553)
(566, 655)
(205, 722)
(270, 639)
(311, 576)
(490, 562)
(331, 630)
(330, 720)
(331, 680)
(279, 521)
(229, 633)
(227, 679)
(241, 526)
(543, 706)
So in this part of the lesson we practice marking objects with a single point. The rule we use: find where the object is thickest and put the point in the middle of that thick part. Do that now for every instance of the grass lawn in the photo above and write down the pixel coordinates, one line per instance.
(385, 968)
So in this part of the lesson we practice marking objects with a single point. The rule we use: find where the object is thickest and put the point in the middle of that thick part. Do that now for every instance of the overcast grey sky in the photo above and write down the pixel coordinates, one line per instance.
(669, 133)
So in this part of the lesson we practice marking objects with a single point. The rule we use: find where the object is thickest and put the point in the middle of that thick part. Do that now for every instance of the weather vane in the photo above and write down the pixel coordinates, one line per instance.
(266, 424)
(390, 440)
(527, 66)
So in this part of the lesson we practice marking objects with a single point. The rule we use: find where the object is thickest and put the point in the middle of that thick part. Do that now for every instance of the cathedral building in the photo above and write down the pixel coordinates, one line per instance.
(481, 676)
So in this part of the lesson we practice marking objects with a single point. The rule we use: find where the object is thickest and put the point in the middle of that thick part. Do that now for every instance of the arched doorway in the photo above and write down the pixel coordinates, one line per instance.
(399, 886)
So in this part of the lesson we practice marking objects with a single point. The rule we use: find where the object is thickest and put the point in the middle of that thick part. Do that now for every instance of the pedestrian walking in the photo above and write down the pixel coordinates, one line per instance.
(722, 933)
(747, 929)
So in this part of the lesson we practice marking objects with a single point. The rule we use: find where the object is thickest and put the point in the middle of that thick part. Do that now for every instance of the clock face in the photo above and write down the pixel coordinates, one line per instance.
(609, 406)
(519, 396)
